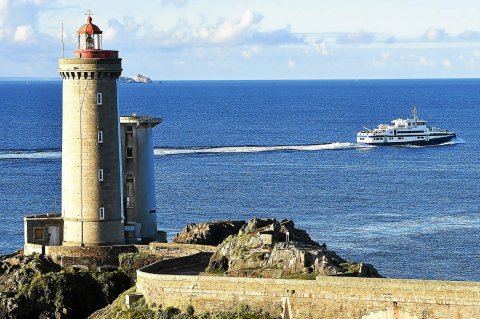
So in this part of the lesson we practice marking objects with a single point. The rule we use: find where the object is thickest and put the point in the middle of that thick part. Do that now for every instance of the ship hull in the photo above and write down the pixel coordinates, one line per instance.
(431, 141)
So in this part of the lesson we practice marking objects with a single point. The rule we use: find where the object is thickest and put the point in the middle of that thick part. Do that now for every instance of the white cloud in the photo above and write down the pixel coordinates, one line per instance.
(227, 31)
(356, 37)
(318, 44)
(23, 33)
(423, 61)
(291, 64)
(175, 3)
(248, 53)
(434, 34)
(200, 33)
(127, 28)
(381, 60)
(19, 19)
(447, 63)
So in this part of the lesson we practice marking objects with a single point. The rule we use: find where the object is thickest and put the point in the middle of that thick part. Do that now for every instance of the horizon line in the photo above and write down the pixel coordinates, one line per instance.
(27, 78)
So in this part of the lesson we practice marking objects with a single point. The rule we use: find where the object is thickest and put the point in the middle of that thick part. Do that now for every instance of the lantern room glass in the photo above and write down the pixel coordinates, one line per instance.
(89, 41)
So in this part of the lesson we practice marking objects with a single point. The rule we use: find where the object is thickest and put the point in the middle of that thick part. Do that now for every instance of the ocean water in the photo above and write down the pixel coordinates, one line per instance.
(283, 149)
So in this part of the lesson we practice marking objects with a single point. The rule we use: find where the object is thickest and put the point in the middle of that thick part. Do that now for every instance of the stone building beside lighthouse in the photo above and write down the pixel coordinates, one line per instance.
(95, 158)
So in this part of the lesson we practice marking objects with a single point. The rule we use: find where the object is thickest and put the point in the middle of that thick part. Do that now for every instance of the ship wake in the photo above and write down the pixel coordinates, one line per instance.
(56, 154)
(254, 149)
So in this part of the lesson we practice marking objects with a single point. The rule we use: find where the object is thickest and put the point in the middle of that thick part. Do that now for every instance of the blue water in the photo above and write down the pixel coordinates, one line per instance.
(283, 149)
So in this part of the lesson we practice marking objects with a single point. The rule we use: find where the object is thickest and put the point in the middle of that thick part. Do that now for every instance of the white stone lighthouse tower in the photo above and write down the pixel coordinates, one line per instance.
(91, 176)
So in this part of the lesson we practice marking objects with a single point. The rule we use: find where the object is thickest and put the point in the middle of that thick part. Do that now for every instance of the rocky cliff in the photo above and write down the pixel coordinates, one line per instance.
(272, 249)
(212, 233)
(37, 287)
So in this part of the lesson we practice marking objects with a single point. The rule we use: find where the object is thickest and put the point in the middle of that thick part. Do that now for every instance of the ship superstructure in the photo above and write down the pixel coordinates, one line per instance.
(412, 131)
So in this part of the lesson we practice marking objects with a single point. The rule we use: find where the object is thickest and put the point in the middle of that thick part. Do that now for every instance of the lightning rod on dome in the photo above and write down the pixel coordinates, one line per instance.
(63, 44)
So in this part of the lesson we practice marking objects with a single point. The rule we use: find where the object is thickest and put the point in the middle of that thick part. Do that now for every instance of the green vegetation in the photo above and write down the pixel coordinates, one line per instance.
(352, 268)
(118, 309)
(76, 294)
(131, 262)
(301, 276)
(35, 286)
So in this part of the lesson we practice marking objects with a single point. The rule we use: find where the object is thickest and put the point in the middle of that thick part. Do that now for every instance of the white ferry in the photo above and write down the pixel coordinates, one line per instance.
(409, 131)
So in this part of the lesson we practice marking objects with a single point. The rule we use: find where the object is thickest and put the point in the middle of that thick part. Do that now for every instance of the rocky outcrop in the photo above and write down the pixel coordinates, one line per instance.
(37, 287)
(17, 271)
(209, 233)
(271, 249)
(139, 78)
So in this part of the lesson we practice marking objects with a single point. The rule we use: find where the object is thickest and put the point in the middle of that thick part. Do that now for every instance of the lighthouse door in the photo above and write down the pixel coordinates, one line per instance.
(54, 233)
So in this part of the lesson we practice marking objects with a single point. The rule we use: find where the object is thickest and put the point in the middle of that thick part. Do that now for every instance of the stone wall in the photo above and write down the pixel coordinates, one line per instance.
(325, 298)
(90, 257)
(93, 257)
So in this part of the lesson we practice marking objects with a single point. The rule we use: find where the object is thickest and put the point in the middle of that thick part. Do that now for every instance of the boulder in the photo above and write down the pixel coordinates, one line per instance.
(271, 249)
(209, 233)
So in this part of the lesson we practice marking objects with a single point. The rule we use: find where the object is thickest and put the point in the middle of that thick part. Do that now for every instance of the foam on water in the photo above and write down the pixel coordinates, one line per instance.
(254, 149)
(52, 154)
(452, 142)
(160, 151)
(30, 154)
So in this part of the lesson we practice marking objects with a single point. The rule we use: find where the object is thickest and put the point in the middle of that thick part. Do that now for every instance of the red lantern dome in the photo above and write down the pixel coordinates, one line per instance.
(89, 28)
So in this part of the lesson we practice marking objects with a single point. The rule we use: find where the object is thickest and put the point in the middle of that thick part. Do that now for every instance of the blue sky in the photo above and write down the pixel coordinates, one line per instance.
(263, 39)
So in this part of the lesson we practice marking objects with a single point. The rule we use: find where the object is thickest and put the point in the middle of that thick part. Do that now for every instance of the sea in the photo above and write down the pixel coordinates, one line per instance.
(280, 149)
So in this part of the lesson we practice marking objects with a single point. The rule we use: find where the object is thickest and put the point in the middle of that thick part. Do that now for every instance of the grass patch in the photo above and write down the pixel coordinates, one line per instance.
(301, 276)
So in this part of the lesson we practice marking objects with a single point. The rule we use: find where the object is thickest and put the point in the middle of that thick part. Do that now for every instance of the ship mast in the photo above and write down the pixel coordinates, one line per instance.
(414, 112)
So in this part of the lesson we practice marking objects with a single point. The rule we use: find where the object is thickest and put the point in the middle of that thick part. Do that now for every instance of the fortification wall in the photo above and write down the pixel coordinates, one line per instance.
(325, 298)
(93, 257)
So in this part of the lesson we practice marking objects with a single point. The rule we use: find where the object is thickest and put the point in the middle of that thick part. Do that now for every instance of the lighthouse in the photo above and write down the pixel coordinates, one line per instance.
(92, 208)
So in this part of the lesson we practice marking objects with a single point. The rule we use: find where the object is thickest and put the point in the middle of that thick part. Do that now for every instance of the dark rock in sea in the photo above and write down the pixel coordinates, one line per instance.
(209, 233)
(271, 249)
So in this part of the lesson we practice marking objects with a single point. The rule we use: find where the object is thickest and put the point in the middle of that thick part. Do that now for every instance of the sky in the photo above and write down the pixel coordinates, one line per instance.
(241, 40)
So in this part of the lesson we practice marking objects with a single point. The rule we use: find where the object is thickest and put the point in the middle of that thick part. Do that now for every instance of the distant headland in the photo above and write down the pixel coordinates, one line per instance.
(139, 78)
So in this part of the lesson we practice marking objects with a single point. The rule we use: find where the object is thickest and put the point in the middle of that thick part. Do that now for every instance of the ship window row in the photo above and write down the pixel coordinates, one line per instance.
(407, 132)
(99, 99)
(378, 138)
(420, 137)
(87, 75)
(101, 212)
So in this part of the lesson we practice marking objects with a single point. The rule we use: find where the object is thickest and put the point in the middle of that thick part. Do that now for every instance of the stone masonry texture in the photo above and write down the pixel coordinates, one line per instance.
(324, 298)
(83, 156)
